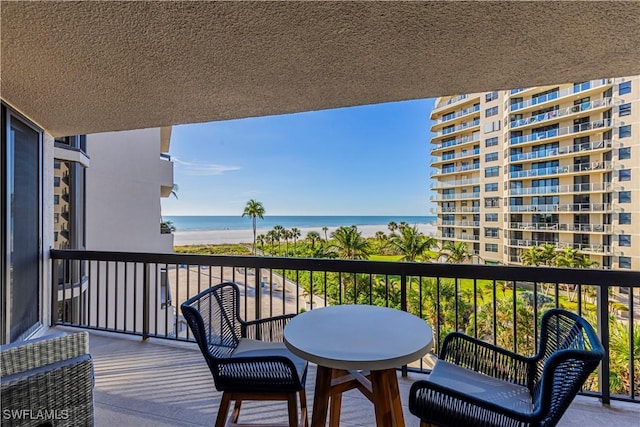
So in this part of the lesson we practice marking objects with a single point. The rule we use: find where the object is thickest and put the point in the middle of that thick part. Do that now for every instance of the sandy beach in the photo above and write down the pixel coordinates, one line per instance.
(201, 237)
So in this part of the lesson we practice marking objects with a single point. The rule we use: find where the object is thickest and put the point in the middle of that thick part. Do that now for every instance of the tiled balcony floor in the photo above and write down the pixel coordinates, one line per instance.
(159, 383)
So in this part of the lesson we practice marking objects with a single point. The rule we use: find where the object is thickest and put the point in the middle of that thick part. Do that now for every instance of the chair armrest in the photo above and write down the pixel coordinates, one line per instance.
(428, 399)
(269, 329)
(63, 389)
(479, 356)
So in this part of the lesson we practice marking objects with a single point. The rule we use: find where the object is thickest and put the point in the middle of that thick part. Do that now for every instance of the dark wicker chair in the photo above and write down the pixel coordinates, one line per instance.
(475, 383)
(248, 360)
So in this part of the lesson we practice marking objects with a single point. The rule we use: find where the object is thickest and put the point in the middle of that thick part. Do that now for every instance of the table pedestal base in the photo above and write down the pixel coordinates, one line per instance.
(380, 387)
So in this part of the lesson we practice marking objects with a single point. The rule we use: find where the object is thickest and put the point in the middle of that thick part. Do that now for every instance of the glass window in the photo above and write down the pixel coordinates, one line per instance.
(490, 142)
(491, 157)
(491, 217)
(624, 218)
(490, 96)
(491, 247)
(624, 197)
(492, 171)
(491, 187)
(624, 240)
(624, 262)
(625, 109)
(625, 175)
(491, 111)
(624, 87)
(624, 153)
(490, 232)
(491, 202)
(624, 131)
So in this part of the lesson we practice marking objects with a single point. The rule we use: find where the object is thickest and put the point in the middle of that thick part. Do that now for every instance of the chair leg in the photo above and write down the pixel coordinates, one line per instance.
(292, 399)
(223, 410)
(303, 408)
(236, 411)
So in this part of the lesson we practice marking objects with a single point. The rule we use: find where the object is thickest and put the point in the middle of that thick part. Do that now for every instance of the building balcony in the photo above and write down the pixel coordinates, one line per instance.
(133, 295)
(165, 178)
(453, 236)
(456, 183)
(451, 117)
(561, 151)
(548, 117)
(461, 209)
(573, 131)
(455, 142)
(562, 227)
(595, 187)
(567, 207)
(561, 170)
(586, 248)
(458, 223)
(452, 103)
(461, 155)
(456, 196)
(540, 101)
(457, 169)
(471, 125)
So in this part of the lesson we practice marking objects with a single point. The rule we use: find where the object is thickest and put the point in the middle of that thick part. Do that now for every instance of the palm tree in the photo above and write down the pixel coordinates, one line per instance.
(547, 253)
(325, 229)
(286, 234)
(278, 233)
(254, 210)
(272, 236)
(261, 240)
(313, 237)
(531, 256)
(349, 243)
(411, 243)
(392, 226)
(295, 233)
(455, 253)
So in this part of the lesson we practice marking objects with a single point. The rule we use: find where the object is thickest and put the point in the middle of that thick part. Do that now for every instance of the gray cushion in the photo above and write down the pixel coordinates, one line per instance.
(502, 393)
(255, 348)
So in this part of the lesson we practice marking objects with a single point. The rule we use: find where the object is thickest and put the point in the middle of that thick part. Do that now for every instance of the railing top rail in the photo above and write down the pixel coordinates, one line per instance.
(465, 271)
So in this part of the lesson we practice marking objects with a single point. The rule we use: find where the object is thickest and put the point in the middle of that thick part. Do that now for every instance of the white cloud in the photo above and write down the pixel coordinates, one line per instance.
(203, 169)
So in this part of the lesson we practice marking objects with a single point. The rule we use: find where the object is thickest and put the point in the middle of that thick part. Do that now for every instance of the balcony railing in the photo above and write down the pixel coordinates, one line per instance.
(457, 183)
(139, 294)
(457, 114)
(556, 114)
(554, 133)
(584, 247)
(462, 209)
(456, 196)
(468, 237)
(458, 223)
(463, 168)
(559, 94)
(568, 207)
(553, 152)
(558, 189)
(450, 101)
(580, 228)
(457, 141)
(454, 156)
(462, 126)
(559, 170)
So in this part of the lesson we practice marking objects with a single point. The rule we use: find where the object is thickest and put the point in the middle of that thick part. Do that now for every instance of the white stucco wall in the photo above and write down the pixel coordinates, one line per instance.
(123, 192)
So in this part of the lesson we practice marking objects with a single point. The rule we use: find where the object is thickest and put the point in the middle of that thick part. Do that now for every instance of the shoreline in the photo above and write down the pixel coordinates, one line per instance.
(215, 237)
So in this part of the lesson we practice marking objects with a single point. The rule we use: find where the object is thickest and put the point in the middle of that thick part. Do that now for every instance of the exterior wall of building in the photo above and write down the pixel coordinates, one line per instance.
(555, 164)
(125, 182)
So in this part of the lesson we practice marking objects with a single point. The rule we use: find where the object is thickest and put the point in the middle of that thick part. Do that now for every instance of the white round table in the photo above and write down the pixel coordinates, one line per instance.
(344, 339)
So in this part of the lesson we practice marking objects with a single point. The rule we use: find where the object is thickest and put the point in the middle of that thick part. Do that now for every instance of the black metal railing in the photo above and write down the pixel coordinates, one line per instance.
(140, 294)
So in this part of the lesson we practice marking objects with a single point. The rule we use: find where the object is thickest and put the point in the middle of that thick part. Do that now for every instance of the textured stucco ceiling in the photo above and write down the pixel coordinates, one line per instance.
(82, 67)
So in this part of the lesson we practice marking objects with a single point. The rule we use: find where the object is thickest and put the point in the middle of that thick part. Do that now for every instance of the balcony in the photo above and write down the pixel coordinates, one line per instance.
(457, 141)
(453, 116)
(536, 102)
(556, 152)
(458, 223)
(456, 196)
(134, 294)
(457, 169)
(562, 189)
(460, 155)
(453, 236)
(575, 131)
(560, 170)
(589, 106)
(456, 183)
(560, 227)
(586, 248)
(463, 126)
(462, 209)
(567, 207)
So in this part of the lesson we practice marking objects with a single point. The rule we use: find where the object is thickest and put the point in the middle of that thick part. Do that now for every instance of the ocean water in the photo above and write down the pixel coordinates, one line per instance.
(202, 223)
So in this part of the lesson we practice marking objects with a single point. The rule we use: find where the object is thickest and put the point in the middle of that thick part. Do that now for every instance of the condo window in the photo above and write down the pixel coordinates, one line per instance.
(624, 131)
(491, 157)
(490, 142)
(625, 175)
(624, 153)
(491, 187)
(56, 200)
(624, 240)
(491, 247)
(624, 262)
(490, 232)
(624, 197)
(491, 96)
(492, 171)
(624, 218)
(625, 109)
(491, 202)
(624, 87)
(491, 217)
(491, 111)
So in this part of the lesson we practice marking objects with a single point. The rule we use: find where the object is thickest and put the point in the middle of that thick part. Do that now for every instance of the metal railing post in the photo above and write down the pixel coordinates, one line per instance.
(258, 299)
(403, 307)
(602, 295)
(145, 302)
(54, 292)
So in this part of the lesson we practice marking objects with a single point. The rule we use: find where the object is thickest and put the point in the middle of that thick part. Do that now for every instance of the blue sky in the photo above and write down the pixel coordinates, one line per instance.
(369, 160)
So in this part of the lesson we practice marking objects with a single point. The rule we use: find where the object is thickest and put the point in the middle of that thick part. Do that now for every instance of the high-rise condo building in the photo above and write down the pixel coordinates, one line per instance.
(556, 164)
